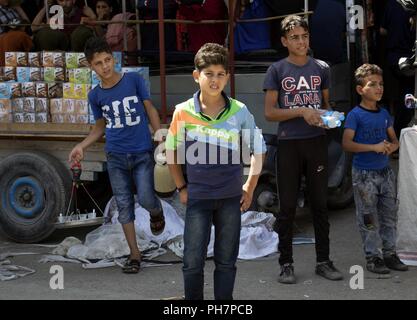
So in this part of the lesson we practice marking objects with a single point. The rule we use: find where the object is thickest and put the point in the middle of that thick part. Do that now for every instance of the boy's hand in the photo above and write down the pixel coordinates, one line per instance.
(390, 147)
(312, 117)
(77, 154)
(184, 196)
(380, 147)
(246, 199)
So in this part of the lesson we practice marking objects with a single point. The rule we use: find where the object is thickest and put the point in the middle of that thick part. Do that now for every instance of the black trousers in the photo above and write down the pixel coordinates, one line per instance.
(295, 158)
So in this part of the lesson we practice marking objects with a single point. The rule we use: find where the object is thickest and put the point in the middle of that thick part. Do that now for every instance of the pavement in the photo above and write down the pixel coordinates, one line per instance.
(255, 280)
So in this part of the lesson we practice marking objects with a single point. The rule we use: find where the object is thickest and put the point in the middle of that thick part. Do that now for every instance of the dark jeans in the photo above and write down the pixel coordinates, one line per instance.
(296, 157)
(200, 215)
(125, 170)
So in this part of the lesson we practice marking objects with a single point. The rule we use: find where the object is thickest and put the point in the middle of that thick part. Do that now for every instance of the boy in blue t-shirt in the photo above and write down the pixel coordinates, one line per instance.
(122, 107)
(370, 135)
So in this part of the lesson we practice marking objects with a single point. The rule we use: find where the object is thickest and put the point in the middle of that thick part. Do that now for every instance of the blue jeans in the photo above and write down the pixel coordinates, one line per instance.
(376, 202)
(226, 216)
(125, 170)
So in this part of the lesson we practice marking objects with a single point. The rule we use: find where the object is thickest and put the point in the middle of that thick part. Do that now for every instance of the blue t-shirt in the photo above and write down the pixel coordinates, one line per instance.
(298, 86)
(370, 127)
(253, 35)
(122, 107)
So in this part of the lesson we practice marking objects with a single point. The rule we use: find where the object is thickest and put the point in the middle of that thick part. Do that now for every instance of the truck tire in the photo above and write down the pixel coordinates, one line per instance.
(342, 196)
(34, 189)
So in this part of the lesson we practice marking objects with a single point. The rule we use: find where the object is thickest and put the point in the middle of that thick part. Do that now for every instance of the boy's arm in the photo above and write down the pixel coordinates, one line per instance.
(326, 99)
(177, 175)
(351, 146)
(393, 145)
(272, 113)
(248, 188)
(77, 154)
(153, 115)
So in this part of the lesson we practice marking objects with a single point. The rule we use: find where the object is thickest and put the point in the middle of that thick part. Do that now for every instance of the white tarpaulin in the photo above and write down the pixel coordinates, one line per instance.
(407, 190)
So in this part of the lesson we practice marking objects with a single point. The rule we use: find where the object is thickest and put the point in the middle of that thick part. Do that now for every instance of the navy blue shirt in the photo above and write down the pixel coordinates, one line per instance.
(298, 86)
(370, 127)
(122, 107)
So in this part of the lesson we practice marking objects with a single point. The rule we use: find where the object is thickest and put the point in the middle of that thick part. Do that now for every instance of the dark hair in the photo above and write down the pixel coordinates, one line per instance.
(211, 54)
(366, 70)
(96, 45)
(291, 22)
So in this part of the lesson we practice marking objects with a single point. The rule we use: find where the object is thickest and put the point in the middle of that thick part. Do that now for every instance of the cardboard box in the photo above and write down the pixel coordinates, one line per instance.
(10, 59)
(70, 118)
(18, 117)
(17, 105)
(28, 89)
(41, 90)
(34, 59)
(29, 117)
(82, 118)
(5, 92)
(52, 74)
(57, 118)
(10, 74)
(6, 118)
(81, 107)
(81, 91)
(68, 90)
(35, 74)
(22, 59)
(41, 105)
(79, 75)
(15, 89)
(56, 106)
(5, 106)
(55, 90)
(29, 105)
(22, 74)
(68, 106)
(42, 117)
(75, 60)
(53, 59)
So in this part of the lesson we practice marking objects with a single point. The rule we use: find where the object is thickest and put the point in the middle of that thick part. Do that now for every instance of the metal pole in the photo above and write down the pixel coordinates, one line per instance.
(232, 7)
(124, 25)
(305, 5)
(46, 11)
(415, 78)
(162, 60)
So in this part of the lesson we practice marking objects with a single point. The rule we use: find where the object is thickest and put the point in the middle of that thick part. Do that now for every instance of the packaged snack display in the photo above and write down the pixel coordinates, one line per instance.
(10, 59)
(42, 117)
(29, 117)
(28, 89)
(53, 59)
(18, 117)
(34, 59)
(5, 106)
(55, 90)
(29, 105)
(41, 105)
(21, 59)
(17, 105)
(5, 92)
(52, 74)
(10, 74)
(15, 89)
(56, 106)
(41, 90)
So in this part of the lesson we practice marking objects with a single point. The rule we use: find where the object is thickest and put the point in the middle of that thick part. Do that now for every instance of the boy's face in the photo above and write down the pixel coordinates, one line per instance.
(212, 79)
(103, 64)
(372, 88)
(297, 41)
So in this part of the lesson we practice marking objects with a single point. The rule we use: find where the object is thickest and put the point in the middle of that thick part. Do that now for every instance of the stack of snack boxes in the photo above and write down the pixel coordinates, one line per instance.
(74, 105)
(41, 87)
(29, 81)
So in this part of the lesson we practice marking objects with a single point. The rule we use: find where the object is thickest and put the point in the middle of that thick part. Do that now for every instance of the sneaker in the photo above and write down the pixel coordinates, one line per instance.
(287, 274)
(394, 263)
(328, 270)
(376, 265)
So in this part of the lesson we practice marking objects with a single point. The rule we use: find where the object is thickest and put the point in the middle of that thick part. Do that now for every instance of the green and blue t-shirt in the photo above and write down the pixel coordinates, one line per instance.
(212, 148)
